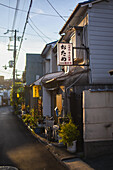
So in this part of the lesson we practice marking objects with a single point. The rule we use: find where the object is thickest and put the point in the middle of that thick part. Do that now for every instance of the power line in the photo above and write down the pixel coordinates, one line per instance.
(39, 29)
(38, 33)
(4, 36)
(3, 28)
(20, 32)
(5, 72)
(15, 15)
(50, 15)
(56, 10)
(21, 13)
(25, 27)
(9, 15)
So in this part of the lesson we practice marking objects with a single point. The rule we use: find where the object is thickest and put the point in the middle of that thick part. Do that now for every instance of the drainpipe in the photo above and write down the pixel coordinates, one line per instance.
(66, 104)
(81, 75)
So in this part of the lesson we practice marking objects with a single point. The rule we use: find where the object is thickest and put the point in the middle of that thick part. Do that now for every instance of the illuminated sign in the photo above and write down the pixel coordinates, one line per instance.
(64, 54)
(35, 91)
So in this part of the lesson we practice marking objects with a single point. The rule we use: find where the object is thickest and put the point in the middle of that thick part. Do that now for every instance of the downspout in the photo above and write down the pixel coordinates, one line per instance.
(66, 103)
(81, 75)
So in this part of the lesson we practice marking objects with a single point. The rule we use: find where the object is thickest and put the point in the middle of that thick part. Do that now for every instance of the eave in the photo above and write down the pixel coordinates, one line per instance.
(77, 14)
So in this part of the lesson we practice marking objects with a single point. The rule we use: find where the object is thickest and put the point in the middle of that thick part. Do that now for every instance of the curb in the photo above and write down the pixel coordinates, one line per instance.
(50, 147)
(44, 142)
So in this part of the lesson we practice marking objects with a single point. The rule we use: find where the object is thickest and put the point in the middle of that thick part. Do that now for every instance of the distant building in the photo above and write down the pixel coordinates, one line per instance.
(34, 71)
(1, 80)
(33, 68)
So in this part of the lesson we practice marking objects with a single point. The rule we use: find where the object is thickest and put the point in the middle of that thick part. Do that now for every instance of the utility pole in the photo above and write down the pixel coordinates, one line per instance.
(14, 56)
(14, 61)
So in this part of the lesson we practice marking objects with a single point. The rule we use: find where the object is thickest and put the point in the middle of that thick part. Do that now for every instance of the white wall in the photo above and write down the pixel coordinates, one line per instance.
(46, 103)
(101, 41)
(97, 116)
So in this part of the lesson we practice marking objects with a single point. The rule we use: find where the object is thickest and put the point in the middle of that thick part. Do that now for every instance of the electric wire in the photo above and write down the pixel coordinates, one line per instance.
(9, 15)
(38, 33)
(50, 15)
(20, 32)
(14, 20)
(24, 28)
(5, 72)
(15, 15)
(21, 14)
(56, 11)
(3, 28)
(39, 30)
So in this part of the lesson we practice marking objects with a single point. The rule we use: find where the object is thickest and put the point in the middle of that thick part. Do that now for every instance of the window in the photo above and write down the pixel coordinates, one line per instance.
(79, 40)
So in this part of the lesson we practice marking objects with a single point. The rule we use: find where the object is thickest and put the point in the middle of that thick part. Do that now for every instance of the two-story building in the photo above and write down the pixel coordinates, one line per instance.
(90, 30)
(50, 70)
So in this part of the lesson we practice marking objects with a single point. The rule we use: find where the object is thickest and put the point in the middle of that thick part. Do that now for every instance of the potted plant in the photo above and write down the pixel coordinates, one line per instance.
(69, 134)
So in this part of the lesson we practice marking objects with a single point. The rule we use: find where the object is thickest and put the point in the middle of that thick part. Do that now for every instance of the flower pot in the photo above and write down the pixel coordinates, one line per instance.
(72, 148)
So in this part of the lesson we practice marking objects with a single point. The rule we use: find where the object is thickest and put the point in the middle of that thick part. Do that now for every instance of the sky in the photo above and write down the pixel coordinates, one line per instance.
(43, 27)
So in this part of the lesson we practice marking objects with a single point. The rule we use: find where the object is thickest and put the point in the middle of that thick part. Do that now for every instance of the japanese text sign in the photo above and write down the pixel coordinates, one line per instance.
(35, 91)
(64, 54)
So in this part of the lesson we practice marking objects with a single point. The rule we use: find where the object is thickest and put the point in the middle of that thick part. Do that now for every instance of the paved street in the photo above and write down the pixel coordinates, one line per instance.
(19, 148)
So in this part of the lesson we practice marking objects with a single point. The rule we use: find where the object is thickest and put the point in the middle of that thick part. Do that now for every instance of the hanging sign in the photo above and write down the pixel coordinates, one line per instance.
(35, 91)
(64, 54)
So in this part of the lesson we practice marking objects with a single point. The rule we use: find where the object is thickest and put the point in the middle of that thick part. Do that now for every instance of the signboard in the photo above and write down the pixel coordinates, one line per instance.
(64, 54)
(35, 91)
(18, 95)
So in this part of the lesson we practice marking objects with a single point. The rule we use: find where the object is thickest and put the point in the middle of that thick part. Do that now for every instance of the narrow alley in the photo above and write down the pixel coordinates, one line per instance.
(18, 148)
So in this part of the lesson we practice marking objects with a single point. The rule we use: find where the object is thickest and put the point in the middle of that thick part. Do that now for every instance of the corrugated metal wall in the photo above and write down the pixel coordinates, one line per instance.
(100, 36)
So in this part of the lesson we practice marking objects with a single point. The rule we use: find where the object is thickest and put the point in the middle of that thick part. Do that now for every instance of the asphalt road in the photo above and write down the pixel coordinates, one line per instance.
(20, 149)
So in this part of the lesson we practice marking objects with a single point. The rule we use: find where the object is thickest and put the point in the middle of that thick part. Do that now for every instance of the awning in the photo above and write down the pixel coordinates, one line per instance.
(37, 82)
(53, 80)
(52, 76)
(48, 78)
(67, 79)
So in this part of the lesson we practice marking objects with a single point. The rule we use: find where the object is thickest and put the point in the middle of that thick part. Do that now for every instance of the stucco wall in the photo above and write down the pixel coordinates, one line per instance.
(97, 119)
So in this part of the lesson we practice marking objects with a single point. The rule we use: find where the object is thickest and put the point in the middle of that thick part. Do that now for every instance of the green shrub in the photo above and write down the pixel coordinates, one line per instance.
(29, 120)
(69, 133)
(24, 116)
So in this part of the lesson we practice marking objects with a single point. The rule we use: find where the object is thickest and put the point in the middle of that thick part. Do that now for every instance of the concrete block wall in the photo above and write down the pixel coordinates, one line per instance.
(97, 120)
